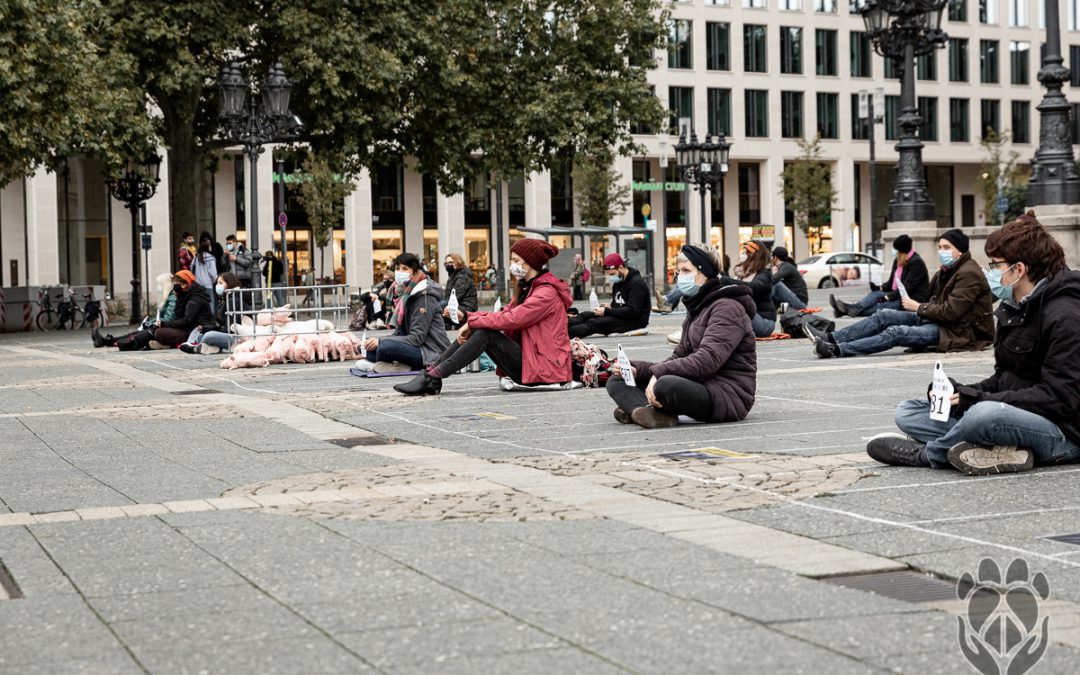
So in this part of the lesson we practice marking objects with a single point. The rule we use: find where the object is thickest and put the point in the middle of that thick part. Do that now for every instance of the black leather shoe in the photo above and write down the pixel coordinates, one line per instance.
(95, 335)
(651, 418)
(826, 348)
(622, 417)
(897, 450)
(837, 312)
(420, 385)
(845, 308)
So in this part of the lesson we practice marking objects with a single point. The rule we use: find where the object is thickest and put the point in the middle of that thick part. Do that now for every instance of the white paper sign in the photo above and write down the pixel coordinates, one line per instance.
(452, 306)
(875, 274)
(498, 305)
(363, 349)
(625, 369)
(594, 302)
(903, 290)
(376, 306)
(941, 391)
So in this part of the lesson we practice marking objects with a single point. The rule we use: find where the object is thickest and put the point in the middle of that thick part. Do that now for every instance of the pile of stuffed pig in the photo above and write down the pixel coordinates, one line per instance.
(274, 338)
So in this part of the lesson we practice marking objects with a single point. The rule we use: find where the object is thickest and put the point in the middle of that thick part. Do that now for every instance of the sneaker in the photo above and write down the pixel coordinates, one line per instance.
(364, 365)
(651, 418)
(154, 344)
(95, 335)
(208, 350)
(390, 367)
(835, 304)
(622, 417)
(673, 338)
(189, 348)
(826, 349)
(897, 450)
(814, 335)
(975, 460)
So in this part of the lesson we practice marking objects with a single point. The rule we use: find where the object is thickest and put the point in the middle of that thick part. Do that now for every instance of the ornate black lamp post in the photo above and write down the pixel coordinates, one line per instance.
(704, 165)
(1054, 179)
(253, 125)
(901, 30)
(138, 184)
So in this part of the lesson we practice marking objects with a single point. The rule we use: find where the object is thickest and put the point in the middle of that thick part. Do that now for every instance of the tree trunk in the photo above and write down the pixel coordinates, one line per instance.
(322, 261)
(186, 160)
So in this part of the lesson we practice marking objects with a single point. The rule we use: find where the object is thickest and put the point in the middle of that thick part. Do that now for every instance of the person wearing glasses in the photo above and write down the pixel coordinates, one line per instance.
(1028, 412)
(958, 316)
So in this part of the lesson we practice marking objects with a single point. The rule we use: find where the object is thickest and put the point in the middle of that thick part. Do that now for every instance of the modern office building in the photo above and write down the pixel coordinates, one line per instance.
(763, 72)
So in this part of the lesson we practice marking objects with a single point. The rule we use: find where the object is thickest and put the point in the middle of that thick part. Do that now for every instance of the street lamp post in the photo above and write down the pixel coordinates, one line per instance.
(252, 125)
(901, 30)
(1054, 178)
(137, 184)
(872, 115)
(703, 164)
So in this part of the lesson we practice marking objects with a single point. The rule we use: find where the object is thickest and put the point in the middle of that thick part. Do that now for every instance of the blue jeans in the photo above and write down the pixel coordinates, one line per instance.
(781, 293)
(871, 304)
(213, 338)
(986, 423)
(395, 350)
(884, 330)
(762, 327)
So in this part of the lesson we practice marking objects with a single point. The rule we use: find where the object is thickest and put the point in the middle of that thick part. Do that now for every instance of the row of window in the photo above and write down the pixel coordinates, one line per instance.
(826, 61)
(792, 125)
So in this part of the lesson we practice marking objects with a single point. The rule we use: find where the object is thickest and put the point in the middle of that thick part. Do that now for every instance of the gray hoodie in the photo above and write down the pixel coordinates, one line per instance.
(423, 325)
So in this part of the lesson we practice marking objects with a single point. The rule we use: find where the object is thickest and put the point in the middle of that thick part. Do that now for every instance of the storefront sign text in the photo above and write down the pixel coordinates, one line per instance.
(638, 186)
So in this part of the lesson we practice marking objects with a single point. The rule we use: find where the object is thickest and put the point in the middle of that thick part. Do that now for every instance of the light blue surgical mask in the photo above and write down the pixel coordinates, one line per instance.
(220, 289)
(687, 285)
(946, 258)
(402, 277)
(1000, 290)
(613, 278)
(228, 247)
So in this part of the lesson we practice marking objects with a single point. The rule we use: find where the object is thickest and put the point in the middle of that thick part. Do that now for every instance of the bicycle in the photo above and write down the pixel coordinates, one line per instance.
(68, 311)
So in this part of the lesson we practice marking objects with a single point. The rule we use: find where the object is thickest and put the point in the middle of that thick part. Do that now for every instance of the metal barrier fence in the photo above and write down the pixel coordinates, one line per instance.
(305, 303)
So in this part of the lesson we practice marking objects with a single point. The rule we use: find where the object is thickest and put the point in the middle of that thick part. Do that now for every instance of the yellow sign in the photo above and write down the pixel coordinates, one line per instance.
(646, 210)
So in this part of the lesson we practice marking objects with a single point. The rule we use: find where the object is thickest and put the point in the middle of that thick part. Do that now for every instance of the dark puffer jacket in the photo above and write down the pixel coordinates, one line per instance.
(192, 309)
(1037, 354)
(630, 300)
(915, 277)
(717, 349)
(461, 283)
(422, 324)
(962, 306)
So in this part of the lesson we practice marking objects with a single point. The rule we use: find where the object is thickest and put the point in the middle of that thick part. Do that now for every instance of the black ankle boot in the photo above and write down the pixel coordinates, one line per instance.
(421, 385)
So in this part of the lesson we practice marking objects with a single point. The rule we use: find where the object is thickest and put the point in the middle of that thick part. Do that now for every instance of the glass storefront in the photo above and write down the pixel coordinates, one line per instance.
(386, 244)
(477, 252)
(430, 253)
(83, 223)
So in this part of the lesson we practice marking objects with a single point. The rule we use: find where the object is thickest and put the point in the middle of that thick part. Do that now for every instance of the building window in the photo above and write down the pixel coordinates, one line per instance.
(717, 3)
(791, 114)
(755, 59)
(1075, 123)
(1021, 122)
(1019, 68)
(791, 5)
(681, 104)
(1018, 12)
(958, 120)
(928, 113)
(892, 118)
(989, 117)
(1074, 66)
(717, 45)
(755, 4)
(957, 10)
(958, 60)
(891, 71)
(826, 6)
(825, 49)
(638, 127)
(790, 50)
(860, 128)
(860, 55)
(988, 11)
(926, 66)
(756, 108)
(680, 44)
(1073, 18)
(988, 61)
(828, 115)
(719, 111)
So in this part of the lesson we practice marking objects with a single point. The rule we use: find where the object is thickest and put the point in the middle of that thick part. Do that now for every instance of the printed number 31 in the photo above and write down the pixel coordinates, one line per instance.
(937, 403)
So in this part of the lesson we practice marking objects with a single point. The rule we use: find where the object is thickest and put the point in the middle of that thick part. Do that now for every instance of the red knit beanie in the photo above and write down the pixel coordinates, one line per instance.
(535, 252)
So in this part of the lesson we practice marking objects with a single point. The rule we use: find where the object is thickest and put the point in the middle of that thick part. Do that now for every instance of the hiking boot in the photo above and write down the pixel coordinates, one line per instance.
(673, 338)
(209, 350)
(623, 417)
(95, 335)
(651, 418)
(421, 385)
(978, 460)
(897, 450)
(390, 367)
(189, 348)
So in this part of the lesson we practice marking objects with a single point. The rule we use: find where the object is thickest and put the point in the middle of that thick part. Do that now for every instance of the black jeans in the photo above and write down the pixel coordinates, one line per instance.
(587, 323)
(676, 396)
(503, 351)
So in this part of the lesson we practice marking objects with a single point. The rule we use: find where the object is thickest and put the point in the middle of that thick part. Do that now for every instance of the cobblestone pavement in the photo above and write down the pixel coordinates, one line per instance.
(161, 515)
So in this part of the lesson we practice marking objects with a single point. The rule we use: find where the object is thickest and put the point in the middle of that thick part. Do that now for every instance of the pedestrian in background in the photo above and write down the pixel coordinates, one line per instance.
(205, 266)
(185, 255)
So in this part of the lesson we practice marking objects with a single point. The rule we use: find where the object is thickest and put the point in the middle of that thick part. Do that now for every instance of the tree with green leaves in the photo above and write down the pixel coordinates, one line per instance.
(465, 86)
(998, 162)
(808, 190)
(600, 191)
(322, 194)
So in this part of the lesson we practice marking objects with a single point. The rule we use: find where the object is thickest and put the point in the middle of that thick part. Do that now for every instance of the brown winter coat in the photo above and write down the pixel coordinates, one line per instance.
(717, 349)
(962, 306)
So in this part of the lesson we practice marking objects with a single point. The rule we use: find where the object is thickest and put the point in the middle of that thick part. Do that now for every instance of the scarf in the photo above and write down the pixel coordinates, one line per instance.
(405, 293)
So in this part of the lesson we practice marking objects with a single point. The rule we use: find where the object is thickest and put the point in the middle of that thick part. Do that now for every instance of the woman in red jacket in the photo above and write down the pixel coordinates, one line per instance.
(528, 340)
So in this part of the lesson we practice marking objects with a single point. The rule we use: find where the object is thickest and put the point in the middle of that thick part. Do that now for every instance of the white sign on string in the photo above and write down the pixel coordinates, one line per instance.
(498, 305)
(625, 369)
(376, 305)
(902, 289)
(941, 391)
(452, 306)
(363, 347)
(594, 302)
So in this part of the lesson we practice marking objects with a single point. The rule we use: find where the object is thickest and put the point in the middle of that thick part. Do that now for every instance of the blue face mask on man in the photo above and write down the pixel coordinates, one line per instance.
(614, 278)
(1000, 290)
(687, 285)
(946, 258)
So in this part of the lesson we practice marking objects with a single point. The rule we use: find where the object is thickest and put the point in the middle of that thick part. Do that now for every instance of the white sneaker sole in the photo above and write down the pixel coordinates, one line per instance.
(974, 460)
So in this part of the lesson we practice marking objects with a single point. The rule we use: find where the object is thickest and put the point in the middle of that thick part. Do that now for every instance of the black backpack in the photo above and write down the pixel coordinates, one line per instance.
(791, 322)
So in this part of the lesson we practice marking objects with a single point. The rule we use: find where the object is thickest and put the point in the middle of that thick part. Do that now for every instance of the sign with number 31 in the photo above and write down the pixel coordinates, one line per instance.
(941, 391)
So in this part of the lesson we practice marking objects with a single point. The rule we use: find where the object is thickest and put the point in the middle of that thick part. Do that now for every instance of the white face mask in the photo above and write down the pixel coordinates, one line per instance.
(401, 277)
(517, 271)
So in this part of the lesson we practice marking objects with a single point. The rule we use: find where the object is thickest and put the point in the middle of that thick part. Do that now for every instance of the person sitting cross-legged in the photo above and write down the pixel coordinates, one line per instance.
(908, 270)
(788, 285)
(957, 317)
(1028, 412)
(630, 306)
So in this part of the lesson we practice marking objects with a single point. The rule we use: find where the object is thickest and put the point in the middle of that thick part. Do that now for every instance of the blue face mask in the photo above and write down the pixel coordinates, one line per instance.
(946, 258)
(1000, 290)
(686, 285)
(220, 289)
(613, 278)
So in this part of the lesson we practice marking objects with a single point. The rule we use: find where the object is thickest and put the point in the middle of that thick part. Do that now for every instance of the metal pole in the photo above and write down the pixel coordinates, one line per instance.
(500, 277)
(253, 219)
(872, 122)
(136, 298)
(280, 210)
(705, 239)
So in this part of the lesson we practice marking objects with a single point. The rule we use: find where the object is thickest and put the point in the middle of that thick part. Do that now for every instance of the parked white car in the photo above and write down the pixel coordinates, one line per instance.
(840, 268)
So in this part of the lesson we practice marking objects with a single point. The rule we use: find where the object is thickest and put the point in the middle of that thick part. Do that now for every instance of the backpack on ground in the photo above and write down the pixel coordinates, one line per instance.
(791, 322)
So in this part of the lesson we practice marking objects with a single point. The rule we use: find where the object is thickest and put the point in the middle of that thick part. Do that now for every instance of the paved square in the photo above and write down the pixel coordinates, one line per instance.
(222, 530)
